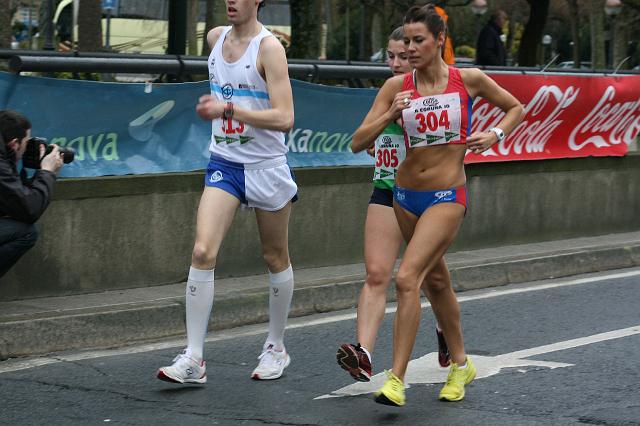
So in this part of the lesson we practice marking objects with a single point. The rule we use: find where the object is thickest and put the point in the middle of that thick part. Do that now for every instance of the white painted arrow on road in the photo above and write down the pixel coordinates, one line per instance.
(426, 369)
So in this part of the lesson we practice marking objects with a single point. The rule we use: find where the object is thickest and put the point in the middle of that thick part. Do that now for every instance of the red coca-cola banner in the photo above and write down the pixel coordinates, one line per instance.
(565, 116)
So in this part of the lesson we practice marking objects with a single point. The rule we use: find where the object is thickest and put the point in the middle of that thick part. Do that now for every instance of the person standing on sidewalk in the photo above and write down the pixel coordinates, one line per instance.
(490, 49)
(430, 201)
(250, 106)
(382, 236)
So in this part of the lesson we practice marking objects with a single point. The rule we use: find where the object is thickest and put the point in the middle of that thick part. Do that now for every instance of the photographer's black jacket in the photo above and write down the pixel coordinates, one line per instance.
(24, 201)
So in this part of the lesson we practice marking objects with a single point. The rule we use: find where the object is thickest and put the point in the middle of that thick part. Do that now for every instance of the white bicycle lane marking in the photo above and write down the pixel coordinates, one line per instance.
(294, 323)
(426, 370)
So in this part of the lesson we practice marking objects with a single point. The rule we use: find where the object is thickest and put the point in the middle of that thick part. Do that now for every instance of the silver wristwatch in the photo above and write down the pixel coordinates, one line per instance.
(499, 133)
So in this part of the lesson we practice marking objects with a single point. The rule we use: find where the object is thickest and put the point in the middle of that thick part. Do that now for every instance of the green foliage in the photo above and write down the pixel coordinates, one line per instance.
(517, 37)
(336, 48)
(465, 51)
(71, 76)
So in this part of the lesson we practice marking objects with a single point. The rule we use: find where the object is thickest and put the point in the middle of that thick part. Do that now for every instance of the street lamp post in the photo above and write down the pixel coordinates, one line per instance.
(479, 8)
(612, 8)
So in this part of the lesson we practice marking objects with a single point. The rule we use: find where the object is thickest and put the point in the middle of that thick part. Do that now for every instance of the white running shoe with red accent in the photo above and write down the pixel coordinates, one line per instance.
(272, 364)
(184, 370)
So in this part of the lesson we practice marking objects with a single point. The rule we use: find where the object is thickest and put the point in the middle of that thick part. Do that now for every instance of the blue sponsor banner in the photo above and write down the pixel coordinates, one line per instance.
(119, 129)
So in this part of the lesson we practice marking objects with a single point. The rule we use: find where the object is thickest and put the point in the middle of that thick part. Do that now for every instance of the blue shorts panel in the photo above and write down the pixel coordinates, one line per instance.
(384, 197)
(226, 175)
(417, 202)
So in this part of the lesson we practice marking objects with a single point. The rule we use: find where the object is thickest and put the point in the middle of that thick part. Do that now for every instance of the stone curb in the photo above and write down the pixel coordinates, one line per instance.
(134, 323)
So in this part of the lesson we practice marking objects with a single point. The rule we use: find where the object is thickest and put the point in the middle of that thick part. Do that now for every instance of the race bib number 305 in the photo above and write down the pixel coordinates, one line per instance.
(390, 152)
(433, 120)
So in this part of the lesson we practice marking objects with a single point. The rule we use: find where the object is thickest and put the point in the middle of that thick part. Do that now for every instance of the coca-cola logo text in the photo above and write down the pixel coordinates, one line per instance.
(608, 123)
(542, 118)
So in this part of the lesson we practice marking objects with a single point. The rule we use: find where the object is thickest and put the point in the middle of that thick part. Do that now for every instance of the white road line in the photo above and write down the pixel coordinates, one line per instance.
(574, 343)
(253, 330)
(426, 369)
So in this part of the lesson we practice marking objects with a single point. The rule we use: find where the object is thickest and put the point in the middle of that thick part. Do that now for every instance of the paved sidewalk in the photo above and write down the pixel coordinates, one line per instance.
(116, 318)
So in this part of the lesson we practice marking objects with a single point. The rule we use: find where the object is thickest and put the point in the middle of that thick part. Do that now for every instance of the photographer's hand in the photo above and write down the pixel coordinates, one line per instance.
(53, 161)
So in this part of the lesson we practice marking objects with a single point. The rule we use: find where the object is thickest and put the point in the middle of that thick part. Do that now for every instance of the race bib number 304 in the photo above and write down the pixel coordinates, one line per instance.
(433, 120)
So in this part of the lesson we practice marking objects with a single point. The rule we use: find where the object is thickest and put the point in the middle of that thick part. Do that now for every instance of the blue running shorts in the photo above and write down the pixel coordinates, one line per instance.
(268, 185)
(417, 202)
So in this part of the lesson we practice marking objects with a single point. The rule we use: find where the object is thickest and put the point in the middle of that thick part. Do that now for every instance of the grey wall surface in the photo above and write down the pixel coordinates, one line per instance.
(124, 232)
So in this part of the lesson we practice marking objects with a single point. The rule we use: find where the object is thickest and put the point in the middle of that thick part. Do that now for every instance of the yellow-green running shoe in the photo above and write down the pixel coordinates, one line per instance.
(392, 392)
(453, 390)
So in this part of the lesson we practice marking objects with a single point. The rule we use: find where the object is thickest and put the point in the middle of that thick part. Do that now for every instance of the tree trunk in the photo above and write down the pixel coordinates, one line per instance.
(325, 29)
(305, 29)
(389, 24)
(574, 21)
(510, 39)
(596, 18)
(192, 26)
(5, 24)
(530, 43)
(209, 24)
(377, 32)
(90, 26)
(364, 42)
(347, 31)
(622, 22)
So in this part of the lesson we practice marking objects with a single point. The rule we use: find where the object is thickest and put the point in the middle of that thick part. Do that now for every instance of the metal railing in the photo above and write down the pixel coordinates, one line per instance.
(185, 66)
(182, 66)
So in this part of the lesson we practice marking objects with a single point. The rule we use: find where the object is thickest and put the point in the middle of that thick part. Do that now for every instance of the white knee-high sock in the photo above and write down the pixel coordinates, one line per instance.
(280, 293)
(199, 301)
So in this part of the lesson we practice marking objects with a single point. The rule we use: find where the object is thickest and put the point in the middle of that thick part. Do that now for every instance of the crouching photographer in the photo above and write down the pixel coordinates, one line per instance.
(22, 200)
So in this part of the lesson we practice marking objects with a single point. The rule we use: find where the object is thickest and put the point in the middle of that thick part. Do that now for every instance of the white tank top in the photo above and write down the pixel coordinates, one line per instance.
(241, 83)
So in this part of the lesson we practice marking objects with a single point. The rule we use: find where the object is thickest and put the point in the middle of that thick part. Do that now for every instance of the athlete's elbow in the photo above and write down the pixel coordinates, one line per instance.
(358, 142)
(286, 123)
(520, 112)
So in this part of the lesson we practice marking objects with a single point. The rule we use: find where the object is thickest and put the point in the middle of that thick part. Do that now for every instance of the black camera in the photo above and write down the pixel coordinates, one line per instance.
(31, 157)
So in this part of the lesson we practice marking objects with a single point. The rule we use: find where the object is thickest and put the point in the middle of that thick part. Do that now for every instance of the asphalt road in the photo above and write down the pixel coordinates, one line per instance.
(556, 352)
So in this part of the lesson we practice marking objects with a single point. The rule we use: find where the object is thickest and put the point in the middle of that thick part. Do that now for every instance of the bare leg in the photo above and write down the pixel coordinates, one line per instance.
(382, 240)
(429, 238)
(215, 214)
(445, 306)
(274, 237)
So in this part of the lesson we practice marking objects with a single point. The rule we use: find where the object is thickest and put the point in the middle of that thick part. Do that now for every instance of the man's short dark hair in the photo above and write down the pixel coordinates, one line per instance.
(497, 13)
(262, 4)
(13, 125)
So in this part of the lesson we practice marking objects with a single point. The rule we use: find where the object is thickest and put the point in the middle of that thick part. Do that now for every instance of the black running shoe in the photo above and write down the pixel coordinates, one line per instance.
(355, 361)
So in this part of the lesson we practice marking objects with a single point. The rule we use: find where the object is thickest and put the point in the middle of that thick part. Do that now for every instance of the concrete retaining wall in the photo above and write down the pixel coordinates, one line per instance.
(124, 232)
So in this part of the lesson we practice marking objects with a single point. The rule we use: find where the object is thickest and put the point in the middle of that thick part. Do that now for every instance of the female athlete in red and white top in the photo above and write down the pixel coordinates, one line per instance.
(435, 103)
